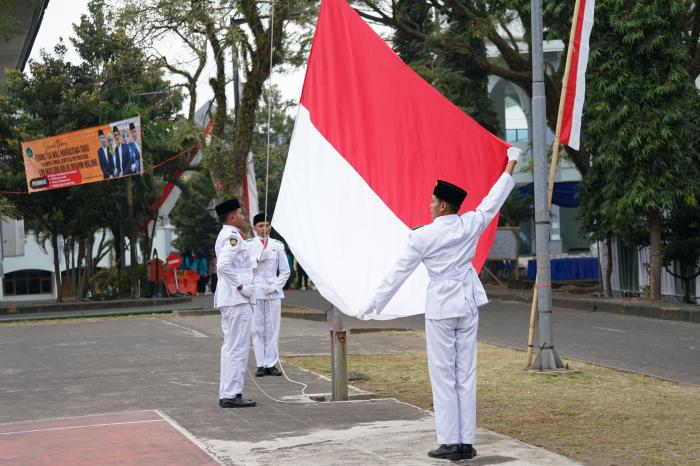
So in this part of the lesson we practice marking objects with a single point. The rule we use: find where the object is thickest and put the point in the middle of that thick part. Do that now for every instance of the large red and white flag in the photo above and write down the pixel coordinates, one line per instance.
(370, 140)
(576, 84)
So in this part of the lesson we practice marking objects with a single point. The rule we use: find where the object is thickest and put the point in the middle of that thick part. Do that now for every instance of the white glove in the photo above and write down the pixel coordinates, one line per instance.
(514, 154)
(269, 289)
(248, 290)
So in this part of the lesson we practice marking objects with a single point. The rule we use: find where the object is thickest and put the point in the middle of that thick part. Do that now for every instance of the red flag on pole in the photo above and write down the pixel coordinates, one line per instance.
(370, 140)
(576, 84)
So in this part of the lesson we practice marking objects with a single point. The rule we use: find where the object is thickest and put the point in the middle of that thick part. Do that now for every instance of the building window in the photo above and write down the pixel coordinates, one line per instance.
(27, 282)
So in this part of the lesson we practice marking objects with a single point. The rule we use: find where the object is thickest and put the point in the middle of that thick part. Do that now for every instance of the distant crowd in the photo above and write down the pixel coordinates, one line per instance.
(205, 265)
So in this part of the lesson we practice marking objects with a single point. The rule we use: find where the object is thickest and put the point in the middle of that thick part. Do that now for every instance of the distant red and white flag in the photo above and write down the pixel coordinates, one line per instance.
(250, 187)
(576, 85)
(370, 140)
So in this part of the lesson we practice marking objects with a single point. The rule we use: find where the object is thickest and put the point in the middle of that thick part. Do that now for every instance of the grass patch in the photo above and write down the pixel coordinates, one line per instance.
(598, 415)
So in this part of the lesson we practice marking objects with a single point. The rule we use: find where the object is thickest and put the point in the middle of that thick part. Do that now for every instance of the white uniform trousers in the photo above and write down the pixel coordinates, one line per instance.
(266, 331)
(235, 323)
(452, 366)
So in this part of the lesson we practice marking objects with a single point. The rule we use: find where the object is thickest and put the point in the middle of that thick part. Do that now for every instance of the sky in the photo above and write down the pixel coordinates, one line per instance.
(60, 15)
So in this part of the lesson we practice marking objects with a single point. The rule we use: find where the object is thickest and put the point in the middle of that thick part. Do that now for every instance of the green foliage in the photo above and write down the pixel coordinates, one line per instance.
(637, 114)
(281, 127)
(640, 125)
(115, 80)
(194, 224)
(9, 24)
(451, 73)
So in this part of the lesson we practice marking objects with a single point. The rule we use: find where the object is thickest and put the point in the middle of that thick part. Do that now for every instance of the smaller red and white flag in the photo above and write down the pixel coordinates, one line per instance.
(250, 188)
(576, 84)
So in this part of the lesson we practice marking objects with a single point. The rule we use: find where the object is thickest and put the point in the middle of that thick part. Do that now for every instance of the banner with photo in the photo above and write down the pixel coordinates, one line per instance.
(88, 155)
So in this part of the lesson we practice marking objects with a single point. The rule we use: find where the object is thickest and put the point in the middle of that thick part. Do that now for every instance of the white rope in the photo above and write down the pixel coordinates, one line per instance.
(265, 237)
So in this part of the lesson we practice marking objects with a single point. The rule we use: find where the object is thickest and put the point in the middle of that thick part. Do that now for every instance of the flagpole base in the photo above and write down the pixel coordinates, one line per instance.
(548, 360)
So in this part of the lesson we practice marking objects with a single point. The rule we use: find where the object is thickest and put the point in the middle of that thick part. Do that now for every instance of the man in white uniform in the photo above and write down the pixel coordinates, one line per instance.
(446, 247)
(234, 298)
(270, 276)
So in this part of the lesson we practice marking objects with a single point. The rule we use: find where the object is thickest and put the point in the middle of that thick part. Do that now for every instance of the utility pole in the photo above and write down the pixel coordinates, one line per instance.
(547, 359)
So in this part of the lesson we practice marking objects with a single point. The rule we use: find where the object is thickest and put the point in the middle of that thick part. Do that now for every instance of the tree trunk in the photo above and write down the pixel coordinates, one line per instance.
(81, 269)
(66, 260)
(132, 235)
(608, 269)
(655, 255)
(56, 267)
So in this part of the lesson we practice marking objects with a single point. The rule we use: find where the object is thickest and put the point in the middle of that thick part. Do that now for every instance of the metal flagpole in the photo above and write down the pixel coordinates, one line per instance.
(548, 359)
(555, 160)
(339, 358)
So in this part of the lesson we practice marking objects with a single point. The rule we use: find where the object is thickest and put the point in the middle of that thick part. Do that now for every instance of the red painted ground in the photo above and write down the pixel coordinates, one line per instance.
(141, 437)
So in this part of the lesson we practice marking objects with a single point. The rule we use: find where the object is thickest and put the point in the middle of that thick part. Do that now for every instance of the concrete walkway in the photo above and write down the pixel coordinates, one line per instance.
(170, 364)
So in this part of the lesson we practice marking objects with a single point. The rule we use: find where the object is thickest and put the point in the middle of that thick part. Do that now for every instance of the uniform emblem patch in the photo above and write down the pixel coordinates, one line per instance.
(233, 241)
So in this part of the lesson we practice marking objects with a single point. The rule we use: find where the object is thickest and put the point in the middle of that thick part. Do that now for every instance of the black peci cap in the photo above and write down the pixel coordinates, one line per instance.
(227, 206)
(259, 218)
(449, 192)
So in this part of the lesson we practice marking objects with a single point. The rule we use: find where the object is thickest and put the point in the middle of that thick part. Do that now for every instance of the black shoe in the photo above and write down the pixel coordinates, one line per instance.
(237, 402)
(448, 452)
(261, 372)
(273, 371)
(468, 451)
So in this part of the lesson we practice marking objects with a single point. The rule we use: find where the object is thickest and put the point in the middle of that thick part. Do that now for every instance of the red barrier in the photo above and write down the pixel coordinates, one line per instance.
(186, 282)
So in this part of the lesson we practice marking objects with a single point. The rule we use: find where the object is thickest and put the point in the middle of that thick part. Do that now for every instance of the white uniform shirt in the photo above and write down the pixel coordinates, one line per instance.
(273, 268)
(234, 267)
(446, 247)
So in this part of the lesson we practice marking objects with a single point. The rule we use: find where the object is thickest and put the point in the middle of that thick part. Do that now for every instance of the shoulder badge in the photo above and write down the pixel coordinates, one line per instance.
(233, 241)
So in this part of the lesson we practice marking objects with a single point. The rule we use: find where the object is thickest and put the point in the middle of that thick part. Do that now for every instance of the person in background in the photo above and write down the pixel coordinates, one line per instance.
(188, 259)
(212, 271)
(202, 267)
(303, 279)
(290, 264)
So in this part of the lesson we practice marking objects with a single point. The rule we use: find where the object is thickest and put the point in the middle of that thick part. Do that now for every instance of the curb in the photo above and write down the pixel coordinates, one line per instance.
(304, 313)
(96, 315)
(653, 311)
(18, 308)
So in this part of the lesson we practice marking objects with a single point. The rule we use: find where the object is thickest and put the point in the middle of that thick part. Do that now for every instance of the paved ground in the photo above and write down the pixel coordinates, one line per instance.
(658, 347)
(169, 365)
(107, 311)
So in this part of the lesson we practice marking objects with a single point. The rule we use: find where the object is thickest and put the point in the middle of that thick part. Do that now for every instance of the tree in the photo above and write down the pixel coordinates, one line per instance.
(115, 81)
(9, 24)
(638, 121)
(281, 127)
(682, 245)
(246, 27)
(470, 23)
(450, 73)
(195, 226)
